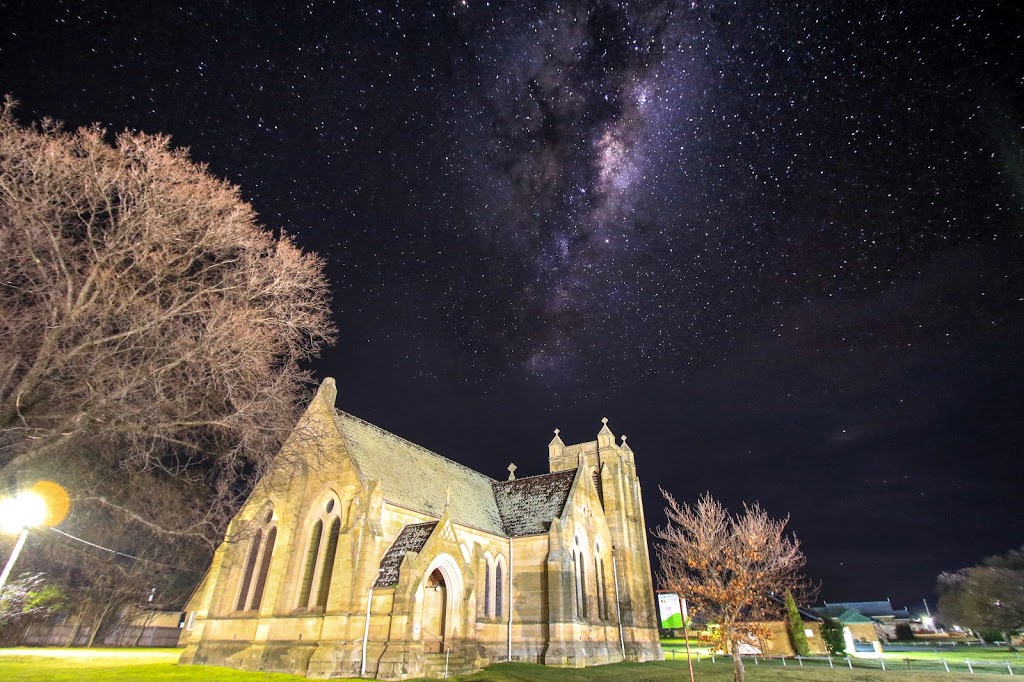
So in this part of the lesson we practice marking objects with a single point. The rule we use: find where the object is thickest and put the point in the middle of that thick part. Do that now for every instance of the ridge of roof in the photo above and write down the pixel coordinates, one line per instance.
(416, 446)
(519, 479)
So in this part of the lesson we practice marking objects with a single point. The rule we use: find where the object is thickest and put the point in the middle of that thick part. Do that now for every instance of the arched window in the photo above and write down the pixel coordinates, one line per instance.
(261, 579)
(328, 567)
(250, 567)
(488, 590)
(261, 552)
(499, 586)
(310, 567)
(318, 567)
(602, 596)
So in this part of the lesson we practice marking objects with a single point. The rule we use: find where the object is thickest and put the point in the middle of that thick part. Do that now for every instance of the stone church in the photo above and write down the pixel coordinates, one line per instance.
(362, 554)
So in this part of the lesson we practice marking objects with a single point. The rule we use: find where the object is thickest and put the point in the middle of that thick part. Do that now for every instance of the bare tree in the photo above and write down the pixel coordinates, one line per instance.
(729, 567)
(151, 331)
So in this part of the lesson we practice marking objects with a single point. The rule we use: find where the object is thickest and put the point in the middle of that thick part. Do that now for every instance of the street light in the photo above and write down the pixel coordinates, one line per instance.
(19, 513)
(45, 503)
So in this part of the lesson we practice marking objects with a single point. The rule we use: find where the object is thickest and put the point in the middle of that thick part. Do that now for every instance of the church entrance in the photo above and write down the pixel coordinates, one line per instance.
(435, 604)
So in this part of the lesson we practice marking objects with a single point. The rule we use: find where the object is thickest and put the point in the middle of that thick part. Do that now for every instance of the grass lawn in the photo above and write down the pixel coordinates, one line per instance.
(160, 665)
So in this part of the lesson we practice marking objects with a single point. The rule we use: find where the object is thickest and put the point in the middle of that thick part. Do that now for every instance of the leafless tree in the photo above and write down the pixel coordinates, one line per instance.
(729, 567)
(151, 331)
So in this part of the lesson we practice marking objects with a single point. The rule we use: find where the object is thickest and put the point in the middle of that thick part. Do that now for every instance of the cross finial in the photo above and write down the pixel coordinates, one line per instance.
(623, 438)
(604, 420)
(557, 431)
(512, 472)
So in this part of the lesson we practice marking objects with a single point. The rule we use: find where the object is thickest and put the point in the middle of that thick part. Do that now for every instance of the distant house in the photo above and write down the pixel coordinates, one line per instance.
(859, 615)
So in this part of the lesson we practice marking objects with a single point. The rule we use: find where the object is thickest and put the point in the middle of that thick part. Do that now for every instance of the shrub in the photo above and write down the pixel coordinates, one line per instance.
(832, 634)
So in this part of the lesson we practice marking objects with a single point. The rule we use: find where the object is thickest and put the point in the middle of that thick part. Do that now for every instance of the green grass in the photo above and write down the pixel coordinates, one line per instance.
(146, 665)
(160, 665)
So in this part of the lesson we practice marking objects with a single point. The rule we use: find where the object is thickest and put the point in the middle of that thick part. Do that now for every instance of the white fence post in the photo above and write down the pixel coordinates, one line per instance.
(882, 661)
(849, 662)
(799, 658)
(945, 664)
(830, 662)
(969, 668)
(783, 661)
(1010, 669)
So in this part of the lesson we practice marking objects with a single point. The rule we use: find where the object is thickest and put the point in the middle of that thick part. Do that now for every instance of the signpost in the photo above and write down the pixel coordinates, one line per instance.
(673, 616)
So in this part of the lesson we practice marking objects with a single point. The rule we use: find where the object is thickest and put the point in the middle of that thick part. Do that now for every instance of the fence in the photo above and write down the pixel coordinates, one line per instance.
(942, 665)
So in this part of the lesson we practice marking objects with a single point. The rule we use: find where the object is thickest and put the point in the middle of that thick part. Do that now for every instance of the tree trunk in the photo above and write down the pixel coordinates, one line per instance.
(738, 673)
(97, 626)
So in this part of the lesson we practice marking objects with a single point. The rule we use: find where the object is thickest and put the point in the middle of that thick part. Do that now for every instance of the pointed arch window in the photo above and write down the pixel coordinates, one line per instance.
(602, 595)
(499, 586)
(310, 568)
(328, 568)
(580, 575)
(261, 578)
(250, 567)
(488, 588)
(257, 563)
(321, 552)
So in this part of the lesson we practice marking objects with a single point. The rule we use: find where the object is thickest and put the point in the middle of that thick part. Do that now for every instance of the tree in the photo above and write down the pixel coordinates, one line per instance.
(986, 597)
(795, 627)
(832, 635)
(152, 336)
(151, 331)
(728, 566)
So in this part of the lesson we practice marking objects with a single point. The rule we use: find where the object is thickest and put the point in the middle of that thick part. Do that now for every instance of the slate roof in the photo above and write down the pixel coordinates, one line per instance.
(416, 478)
(527, 505)
(871, 609)
(411, 539)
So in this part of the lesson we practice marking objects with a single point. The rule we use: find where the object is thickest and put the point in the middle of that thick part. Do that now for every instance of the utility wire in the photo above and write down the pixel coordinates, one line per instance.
(127, 556)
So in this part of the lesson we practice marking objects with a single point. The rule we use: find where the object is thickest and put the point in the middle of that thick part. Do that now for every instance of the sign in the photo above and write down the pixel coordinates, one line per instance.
(670, 611)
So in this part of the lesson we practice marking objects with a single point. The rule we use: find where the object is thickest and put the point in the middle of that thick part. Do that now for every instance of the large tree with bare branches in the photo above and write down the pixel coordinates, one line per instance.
(151, 331)
(733, 569)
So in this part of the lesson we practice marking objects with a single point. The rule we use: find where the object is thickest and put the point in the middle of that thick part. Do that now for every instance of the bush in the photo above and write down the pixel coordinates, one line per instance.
(795, 627)
(832, 634)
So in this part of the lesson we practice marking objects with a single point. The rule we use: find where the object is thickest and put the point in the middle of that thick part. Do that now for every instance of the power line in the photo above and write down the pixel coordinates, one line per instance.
(123, 554)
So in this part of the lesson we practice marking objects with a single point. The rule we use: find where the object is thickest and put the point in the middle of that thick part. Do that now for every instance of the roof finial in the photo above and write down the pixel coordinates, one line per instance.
(557, 431)
(604, 420)
(512, 471)
(623, 439)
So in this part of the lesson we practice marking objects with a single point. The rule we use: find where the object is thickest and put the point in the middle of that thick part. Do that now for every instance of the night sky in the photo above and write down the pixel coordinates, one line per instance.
(777, 244)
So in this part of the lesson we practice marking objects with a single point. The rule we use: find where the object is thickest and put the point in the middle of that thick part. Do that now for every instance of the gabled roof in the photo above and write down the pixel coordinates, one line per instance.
(871, 609)
(418, 479)
(850, 616)
(527, 505)
(411, 539)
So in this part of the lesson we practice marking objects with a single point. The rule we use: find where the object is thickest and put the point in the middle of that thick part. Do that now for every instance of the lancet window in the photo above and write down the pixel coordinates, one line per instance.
(257, 563)
(495, 575)
(321, 552)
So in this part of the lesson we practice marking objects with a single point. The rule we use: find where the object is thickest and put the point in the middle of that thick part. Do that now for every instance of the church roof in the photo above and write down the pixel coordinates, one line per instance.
(418, 479)
(527, 505)
(411, 539)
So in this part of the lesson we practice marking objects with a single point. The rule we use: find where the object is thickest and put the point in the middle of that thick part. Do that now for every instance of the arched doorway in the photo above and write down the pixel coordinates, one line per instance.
(435, 607)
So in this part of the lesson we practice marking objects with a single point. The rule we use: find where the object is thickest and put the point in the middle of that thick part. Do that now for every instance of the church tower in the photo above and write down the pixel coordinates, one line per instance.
(612, 469)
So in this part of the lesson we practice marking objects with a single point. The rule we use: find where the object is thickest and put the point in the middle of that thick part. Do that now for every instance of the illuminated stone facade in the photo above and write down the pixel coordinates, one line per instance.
(383, 559)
